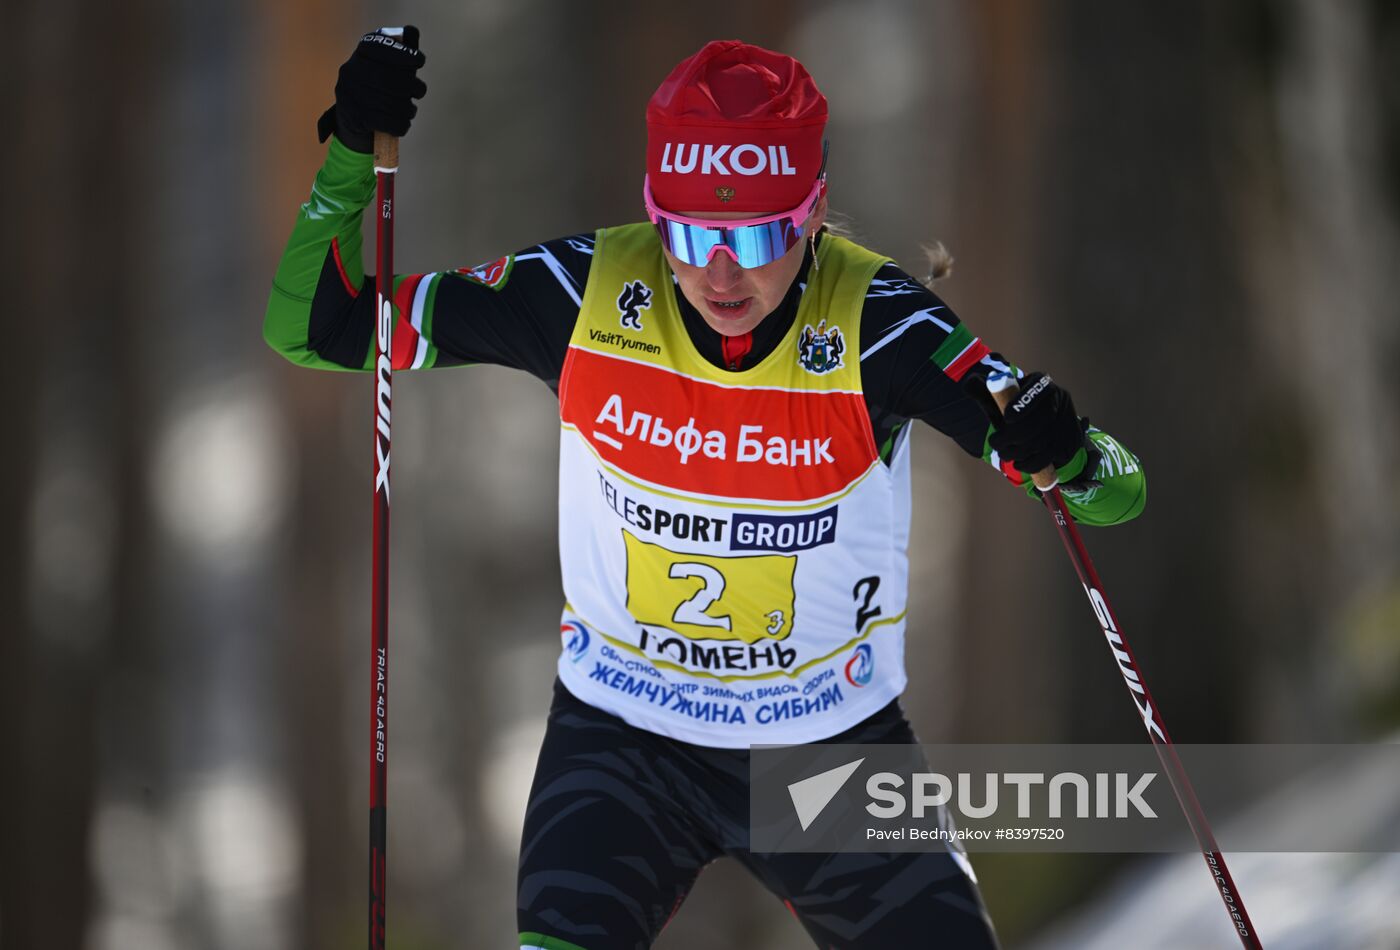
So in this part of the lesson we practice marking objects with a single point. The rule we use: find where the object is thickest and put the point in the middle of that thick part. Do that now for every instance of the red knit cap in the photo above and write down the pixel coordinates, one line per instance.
(735, 128)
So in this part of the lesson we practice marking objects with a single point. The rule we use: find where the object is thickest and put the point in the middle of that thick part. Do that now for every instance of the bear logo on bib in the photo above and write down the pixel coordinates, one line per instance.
(635, 297)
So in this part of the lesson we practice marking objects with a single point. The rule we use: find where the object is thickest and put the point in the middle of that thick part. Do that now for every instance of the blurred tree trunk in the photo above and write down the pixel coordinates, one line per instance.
(1140, 274)
(1115, 285)
(1007, 660)
(1101, 240)
(73, 488)
(304, 43)
(1260, 255)
(1326, 282)
(20, 651)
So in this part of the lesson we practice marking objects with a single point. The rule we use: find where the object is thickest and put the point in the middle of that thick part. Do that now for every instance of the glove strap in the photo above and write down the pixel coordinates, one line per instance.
(325, 125)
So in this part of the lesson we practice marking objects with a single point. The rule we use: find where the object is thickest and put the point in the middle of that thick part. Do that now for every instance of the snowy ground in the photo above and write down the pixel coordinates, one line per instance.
(1317, 901)
(1298, 902)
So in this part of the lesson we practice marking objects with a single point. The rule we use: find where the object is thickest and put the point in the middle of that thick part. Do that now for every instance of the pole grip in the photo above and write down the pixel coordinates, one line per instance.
(386, 151)
(1004, 391)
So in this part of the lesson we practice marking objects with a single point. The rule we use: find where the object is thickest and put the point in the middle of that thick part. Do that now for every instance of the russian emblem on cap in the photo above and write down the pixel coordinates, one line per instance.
(724, 193)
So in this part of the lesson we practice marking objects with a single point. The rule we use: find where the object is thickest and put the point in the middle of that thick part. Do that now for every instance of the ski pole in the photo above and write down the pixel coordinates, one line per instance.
(386, 166)
(1004, 391)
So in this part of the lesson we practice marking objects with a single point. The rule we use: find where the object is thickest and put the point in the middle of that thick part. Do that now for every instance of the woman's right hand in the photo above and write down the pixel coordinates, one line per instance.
(376, 89)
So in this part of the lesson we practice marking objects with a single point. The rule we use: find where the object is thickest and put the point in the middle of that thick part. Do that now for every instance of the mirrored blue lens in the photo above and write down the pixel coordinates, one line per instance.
(753, 245)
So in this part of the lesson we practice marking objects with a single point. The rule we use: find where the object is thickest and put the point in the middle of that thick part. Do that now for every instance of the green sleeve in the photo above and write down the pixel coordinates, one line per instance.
(343, 188)
(1122, 492)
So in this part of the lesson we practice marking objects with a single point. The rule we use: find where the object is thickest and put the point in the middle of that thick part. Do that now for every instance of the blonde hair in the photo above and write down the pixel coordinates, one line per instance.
(940, 260)
(940, 263)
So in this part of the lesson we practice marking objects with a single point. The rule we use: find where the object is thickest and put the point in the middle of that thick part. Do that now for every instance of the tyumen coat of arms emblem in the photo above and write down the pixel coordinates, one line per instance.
(819, 351)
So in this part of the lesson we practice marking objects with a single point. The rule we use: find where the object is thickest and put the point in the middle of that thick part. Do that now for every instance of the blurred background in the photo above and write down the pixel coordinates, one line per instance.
(1190, 214)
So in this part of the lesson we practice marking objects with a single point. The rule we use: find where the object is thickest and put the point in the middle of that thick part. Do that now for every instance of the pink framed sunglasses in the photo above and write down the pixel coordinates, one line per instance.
(752, 242)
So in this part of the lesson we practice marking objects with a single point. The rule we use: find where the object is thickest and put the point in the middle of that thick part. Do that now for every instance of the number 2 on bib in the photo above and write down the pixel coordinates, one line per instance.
(704, 597)
(693, 610)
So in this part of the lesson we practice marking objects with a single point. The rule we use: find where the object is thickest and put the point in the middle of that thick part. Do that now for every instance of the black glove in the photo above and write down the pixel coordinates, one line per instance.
(376, 90)
(1041, 428)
